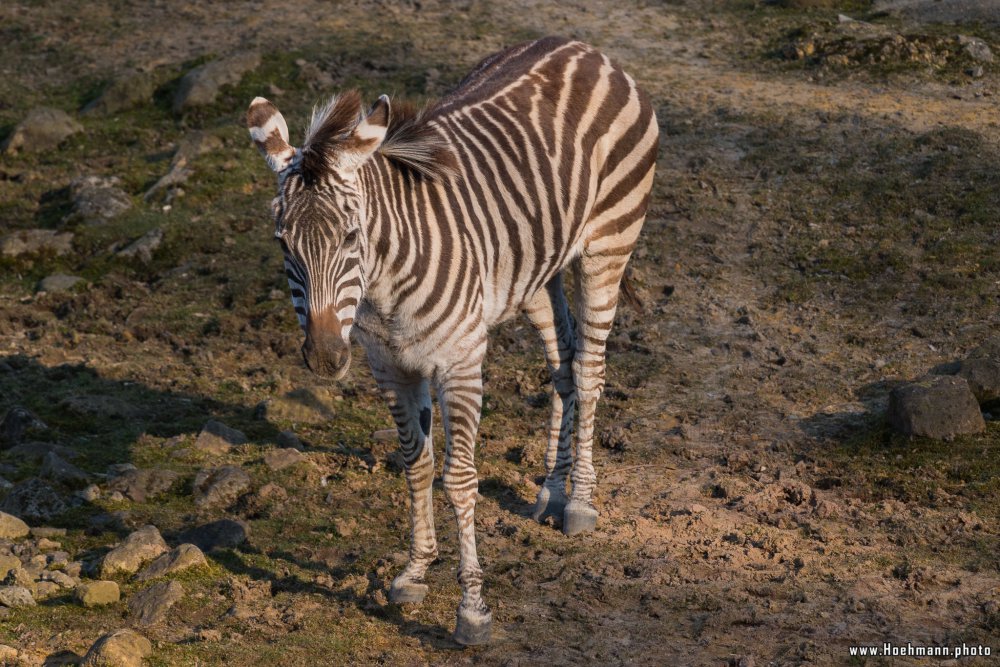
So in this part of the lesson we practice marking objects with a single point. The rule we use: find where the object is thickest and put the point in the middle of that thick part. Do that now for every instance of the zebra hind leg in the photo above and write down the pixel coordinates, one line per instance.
(410, 404)
(598, 278)
(549, 313)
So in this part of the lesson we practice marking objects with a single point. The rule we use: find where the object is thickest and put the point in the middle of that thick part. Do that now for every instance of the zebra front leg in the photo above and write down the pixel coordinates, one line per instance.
(460, 395)
(549, 313)
(409, 401)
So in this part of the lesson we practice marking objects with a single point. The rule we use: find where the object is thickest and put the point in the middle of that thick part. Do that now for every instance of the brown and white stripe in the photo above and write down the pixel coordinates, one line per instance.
(418, 230)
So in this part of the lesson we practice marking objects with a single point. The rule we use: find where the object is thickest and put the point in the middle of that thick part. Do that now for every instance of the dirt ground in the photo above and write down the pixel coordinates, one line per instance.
(824, 226)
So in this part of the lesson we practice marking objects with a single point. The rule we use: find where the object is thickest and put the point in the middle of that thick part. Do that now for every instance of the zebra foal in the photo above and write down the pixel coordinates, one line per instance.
(419, 230)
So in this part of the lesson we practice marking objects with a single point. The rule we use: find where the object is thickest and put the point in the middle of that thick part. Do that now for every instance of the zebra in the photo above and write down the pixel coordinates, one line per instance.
(418, 229)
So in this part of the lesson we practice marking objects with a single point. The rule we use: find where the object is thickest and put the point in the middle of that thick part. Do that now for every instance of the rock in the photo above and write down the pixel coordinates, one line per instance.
(8, 655)
(12, 528)
(121, 648)
(217, 438)
(983, 376)
(47, 589)
(126, 92)
(35, 452)
(142, 484)
(289, 439)
(143, 247)
(16, 423)
(615, 438)
(58, 470)
(97, 593)
(221, 534)
(34, 501)
(150, 607)
(8, 563)
(36, 242)
(279, 459)
(190, 148)
(935, 11)
(19, 576)
(60, 578)
(16, 596)
(976, 48)
(90, 493)
(58, 282)
(936, 406)
(201, 85)
(388, 435)
(308, 405)
(138, 548)
(97, 199)
(117, 469)
(220, 487)
(43, 128)
(183, 557)
(45, 544)
(96, 405)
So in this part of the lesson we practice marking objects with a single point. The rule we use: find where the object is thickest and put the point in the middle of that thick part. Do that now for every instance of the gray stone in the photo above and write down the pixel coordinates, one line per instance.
(16, 596)
(36, 242)
(976, 48)
(143, 247)
(16, 423)
(217, 438)
(387, 435)
(936, 406)
(201, 85)
(97, 405)
(279, 459)
(35, 452)
(221, 534)
(138, 549)
(43, 129)
(181, 558)
(33, 500)
(128, 91)
(188, 150)
(20, 576)
(289, 439)
(150, 607)
(8, 563)
(142, 484)
(121, 648)
(12, 528)
(98, 199)
(58, 282)
(90, 493)
(58, 470)
(220, 487)
(308, 405)
(935, 11)
(97, 593)
(47, 589)
(60, 578)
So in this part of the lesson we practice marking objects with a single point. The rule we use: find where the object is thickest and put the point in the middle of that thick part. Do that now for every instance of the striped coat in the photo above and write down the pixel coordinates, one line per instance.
(418, 230)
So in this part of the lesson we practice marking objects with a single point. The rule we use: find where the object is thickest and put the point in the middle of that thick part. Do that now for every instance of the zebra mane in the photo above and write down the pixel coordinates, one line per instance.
(411, 143)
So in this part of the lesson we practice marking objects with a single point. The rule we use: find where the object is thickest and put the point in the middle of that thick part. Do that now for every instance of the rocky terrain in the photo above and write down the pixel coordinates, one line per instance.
(799, 446)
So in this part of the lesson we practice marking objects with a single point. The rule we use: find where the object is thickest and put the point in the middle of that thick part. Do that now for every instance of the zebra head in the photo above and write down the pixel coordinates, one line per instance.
(319, 217)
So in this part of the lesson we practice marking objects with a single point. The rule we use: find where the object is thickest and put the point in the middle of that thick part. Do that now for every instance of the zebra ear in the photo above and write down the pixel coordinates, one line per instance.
(367, 136)
(270, 133)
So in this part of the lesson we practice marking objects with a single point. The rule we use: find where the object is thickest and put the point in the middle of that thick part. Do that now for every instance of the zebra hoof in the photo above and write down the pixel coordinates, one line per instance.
(579, 518)
(547, 505)
(473, 627)
(404, 592)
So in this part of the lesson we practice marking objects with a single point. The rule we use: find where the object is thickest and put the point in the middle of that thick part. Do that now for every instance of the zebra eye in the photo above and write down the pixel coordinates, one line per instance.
(351, 239)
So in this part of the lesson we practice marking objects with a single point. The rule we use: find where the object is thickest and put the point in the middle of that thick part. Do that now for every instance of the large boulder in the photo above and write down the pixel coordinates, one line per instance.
(41, 130)
(121, 648)
(138, 549)
(150, 607)
(183, 557)
(98, 198)
(33, 500)
(11, 528)
(201, 85)
(97, 593)
(221, 534)
(220, 487)
(936, 406)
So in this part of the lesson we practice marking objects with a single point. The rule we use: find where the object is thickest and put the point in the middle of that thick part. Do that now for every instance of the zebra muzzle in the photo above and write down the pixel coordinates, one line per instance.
(325, 352)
